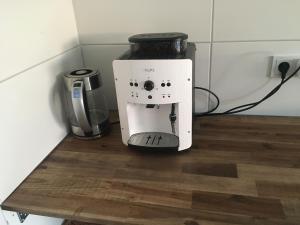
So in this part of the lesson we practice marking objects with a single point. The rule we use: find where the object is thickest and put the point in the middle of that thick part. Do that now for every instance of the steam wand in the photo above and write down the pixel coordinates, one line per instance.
(172, 117)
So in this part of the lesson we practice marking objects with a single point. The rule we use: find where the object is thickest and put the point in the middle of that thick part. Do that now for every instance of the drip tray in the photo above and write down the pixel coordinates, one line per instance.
(154, 141)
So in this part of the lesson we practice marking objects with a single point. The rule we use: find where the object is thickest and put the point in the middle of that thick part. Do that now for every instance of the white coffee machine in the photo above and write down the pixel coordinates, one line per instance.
(154, 85)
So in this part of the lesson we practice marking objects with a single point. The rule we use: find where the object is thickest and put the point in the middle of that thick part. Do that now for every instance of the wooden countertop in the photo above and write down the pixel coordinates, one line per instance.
(240, 170)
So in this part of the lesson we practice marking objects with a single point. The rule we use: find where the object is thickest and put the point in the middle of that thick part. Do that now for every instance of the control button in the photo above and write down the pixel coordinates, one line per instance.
(136, 84)
(131, 84)
(150, 96)
(163, 84)
(168, 84)
(148, 85)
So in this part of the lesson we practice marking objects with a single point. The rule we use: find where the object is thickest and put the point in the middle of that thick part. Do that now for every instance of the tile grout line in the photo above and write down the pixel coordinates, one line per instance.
(38, 64)
(119, 44)
(202, 42)
(210, 52)
(78, 34)
(254, 41)
(103, 44)
(82, 56)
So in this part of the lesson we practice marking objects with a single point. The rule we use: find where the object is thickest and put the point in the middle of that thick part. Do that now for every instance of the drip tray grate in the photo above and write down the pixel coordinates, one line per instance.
(154, 140)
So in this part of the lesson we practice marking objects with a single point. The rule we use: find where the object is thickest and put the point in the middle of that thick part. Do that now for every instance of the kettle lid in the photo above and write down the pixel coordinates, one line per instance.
(85, 72)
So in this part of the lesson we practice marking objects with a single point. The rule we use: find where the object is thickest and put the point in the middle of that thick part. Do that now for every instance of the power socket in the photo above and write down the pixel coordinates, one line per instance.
(293, 60)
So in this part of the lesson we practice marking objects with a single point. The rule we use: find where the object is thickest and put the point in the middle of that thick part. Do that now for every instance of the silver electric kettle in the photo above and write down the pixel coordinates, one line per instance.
(85, 103)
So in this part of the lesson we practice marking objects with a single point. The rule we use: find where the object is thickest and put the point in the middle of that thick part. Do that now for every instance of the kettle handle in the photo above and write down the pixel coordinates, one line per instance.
(79, 104)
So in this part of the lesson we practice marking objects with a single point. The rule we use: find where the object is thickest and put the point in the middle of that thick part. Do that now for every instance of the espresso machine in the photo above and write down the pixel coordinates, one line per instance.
(154, 83)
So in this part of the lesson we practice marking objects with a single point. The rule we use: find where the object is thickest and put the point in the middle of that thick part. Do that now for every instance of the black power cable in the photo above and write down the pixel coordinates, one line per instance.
(216, 97)
(283, 68)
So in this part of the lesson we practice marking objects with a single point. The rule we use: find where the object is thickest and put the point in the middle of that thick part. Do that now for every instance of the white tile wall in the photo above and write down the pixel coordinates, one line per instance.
(32, 119)
(38, 43)
(112, 21)
(202, 76)
(244, 20)
(33, 31)
(240, 74)
(101, 56)
(265, 26)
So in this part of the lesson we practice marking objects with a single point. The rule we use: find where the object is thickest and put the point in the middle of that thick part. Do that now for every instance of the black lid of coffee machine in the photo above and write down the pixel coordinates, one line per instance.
(158, 45)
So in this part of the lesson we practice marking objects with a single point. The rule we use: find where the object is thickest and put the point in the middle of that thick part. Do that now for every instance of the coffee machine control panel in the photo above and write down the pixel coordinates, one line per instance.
(150, 89)
(153, 81)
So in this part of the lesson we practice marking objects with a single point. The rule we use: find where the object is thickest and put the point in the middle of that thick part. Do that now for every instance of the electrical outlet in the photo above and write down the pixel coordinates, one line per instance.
(293, 60)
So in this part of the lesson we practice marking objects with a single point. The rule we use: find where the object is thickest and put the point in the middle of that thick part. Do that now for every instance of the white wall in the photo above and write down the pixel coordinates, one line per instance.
(32, 120)
(246, 35)
(33, 31)
(38, 44)
(235, 40)
(2, 219)
(11, 218)
(111, 22)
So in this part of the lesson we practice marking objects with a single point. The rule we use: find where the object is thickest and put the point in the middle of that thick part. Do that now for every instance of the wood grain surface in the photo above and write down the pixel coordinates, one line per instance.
(240, 170)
